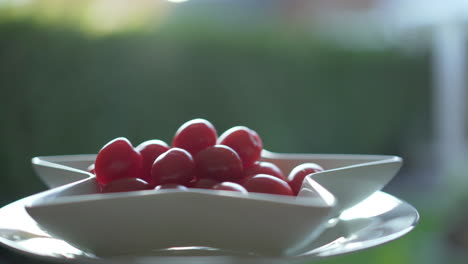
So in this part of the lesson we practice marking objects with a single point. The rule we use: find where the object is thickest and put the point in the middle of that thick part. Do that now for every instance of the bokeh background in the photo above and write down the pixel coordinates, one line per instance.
(353, 77)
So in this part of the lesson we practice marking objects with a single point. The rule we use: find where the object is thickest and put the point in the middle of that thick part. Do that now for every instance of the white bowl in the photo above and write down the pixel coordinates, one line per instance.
(379, 219)
(136, 222)
(115, 224)
(350, 178)
(56, 171)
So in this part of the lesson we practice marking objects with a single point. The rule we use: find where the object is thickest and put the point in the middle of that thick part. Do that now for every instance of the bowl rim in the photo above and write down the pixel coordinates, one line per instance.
(49, 197)
(351, 161)
(54, 161)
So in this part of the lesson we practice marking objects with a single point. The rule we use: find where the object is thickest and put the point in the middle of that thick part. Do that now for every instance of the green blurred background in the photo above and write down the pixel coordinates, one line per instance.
(75, 75)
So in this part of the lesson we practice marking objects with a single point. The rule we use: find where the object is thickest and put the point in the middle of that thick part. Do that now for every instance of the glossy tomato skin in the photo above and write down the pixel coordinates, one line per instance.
(125, 185)
(150, 150)
(297, 175)
(245, 142)
(117, 160)
(263, 183)
(195, 135)
(264, 167)
(230, 186)
(175, 166)
(220, 163)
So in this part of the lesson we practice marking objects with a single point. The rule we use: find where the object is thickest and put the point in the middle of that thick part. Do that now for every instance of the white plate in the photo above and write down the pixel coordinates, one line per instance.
(377, 220)
(129, 222)
(350, 178)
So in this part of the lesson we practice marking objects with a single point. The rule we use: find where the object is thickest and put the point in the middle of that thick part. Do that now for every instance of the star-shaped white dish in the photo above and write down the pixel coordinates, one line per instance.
(350, 178)
(268, 225)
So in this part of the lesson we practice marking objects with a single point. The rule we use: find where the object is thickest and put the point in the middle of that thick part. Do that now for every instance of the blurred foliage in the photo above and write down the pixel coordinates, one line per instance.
(64, 91)
(97, 16)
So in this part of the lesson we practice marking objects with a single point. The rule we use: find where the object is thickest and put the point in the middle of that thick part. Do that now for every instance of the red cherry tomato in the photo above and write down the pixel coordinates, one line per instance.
(150, 150)
(195, 135)
(125, 185)
(204, 183)
(297, 175)
(264, 167)
(173, 166)
(230, 186)
(262, 183)
(170, 186)
(220, 163)
(245, 142)
(117, 160)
